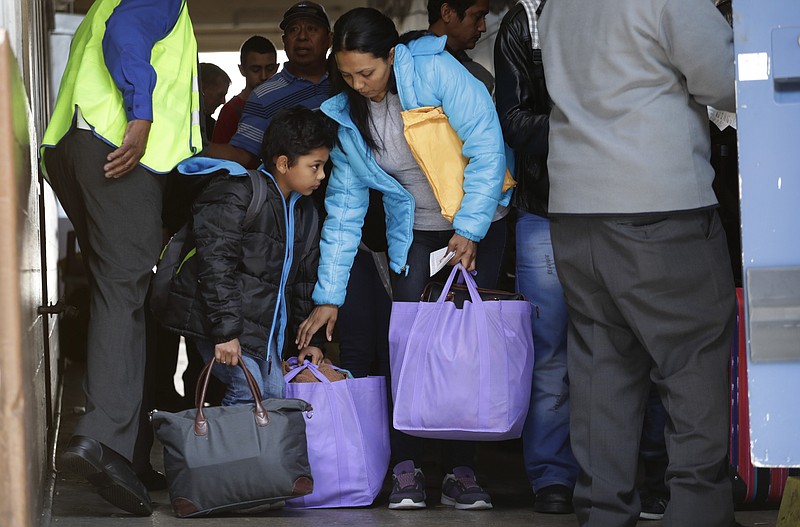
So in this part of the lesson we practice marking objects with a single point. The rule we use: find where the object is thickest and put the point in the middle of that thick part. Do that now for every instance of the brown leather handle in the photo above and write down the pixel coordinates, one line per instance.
(199, 393)
(200, 421)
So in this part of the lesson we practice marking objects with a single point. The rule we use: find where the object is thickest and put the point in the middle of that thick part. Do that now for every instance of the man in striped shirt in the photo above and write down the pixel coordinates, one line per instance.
(303, 81)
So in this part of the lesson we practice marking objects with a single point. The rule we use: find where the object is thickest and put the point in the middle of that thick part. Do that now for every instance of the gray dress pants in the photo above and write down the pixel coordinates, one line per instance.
(649, 297)
(118, 226)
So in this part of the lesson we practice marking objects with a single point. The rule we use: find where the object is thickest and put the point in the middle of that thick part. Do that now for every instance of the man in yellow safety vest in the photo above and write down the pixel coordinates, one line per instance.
(127, 113)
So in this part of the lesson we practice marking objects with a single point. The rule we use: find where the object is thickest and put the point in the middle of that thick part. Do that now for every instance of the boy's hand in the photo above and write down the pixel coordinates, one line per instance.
(228, 353)
(324, 315)
(312, 353)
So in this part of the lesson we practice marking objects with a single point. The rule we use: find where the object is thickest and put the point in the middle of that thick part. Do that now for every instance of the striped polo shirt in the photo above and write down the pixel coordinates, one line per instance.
(284, 90)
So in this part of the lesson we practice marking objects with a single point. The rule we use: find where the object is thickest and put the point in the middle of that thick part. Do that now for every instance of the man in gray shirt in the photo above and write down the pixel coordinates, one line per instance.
(639, 247)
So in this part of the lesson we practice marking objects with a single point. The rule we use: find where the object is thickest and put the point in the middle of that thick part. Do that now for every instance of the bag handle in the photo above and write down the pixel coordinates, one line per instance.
(470, 281)
(200, 421)
(199, 394)
(460, 279)
(308, 365)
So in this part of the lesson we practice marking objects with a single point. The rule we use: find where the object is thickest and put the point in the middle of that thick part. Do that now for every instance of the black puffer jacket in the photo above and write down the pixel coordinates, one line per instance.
(231, 287)
(523, 106)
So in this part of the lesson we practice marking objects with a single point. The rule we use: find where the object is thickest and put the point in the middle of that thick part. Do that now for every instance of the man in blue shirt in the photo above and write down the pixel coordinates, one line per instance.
(302, 81)
(106, 151)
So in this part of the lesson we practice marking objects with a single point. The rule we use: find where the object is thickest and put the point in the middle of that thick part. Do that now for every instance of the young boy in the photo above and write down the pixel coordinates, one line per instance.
(252, 281)
(258, 63)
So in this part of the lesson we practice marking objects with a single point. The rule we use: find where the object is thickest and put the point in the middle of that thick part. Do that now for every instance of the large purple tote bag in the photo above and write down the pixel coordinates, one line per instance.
(461, 373)
(348, 438)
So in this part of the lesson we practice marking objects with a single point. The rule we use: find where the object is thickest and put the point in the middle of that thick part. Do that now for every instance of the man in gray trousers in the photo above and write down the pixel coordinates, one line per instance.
(127, 113)
(639, 247)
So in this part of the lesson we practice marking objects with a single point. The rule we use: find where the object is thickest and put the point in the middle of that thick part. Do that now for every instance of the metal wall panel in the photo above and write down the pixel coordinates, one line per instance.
(21, 406)
(767, 42)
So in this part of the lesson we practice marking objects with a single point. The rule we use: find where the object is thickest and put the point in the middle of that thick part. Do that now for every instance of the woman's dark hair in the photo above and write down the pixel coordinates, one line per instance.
(295, 132)
(364, 30)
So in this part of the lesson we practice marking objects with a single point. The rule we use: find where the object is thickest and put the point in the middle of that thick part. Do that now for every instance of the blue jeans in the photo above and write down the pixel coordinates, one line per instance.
(545, 437)
(268, 376)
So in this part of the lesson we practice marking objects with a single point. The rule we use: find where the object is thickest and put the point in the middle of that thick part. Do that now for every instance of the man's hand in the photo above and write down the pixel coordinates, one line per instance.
(312, 353)
(466, 252)
(127, 156)
(231, 153)
(324, 315)
(228, 353)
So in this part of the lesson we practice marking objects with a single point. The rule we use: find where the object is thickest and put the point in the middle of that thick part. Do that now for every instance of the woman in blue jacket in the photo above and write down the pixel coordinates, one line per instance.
(380, 76)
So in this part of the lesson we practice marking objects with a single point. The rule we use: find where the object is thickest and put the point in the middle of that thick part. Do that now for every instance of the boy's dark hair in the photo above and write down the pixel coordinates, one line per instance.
(435, 8)
(256, 44)
(210, 74)
(295, 132)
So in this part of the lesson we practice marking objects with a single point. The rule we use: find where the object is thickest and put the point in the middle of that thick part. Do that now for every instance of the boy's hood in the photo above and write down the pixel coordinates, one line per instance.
(195, 166)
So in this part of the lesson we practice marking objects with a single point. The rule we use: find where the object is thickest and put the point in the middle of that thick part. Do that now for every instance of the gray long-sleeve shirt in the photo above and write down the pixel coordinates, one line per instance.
(630, 80)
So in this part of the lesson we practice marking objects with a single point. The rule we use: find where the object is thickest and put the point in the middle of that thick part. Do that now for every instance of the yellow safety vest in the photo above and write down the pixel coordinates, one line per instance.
(175, 133)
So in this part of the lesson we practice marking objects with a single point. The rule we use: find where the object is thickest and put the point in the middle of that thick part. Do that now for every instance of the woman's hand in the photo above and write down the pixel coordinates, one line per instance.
(324, 315)
(466, 252)
(312, 353)
(228, 353)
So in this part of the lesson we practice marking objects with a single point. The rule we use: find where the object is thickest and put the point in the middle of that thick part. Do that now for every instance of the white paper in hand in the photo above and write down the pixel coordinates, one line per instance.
(722, 119)
(439, 259)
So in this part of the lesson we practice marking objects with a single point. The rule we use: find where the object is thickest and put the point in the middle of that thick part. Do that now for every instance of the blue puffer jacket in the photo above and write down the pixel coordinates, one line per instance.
(426, 75)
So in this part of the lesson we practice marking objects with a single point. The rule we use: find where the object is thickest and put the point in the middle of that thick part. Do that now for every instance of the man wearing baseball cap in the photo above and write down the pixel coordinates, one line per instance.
(310, 10)
(302, 81)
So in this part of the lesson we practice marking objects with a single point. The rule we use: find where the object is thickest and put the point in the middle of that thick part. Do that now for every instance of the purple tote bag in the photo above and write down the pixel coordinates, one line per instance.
(461, 373)
(348, 438)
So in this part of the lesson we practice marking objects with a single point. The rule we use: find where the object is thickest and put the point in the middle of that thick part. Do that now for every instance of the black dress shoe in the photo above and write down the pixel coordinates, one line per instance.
(109, 472)
(152, 479)
(553, 499)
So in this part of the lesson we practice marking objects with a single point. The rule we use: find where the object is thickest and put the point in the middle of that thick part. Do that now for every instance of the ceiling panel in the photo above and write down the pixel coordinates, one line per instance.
(219, 29)
(222, 25)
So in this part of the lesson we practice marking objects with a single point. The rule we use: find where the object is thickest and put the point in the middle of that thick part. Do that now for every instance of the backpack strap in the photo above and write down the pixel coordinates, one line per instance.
(312, 224)
(259, 196)
(181, 248)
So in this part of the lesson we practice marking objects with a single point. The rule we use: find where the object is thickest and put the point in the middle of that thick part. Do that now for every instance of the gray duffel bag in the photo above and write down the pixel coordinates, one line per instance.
(227, 458)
